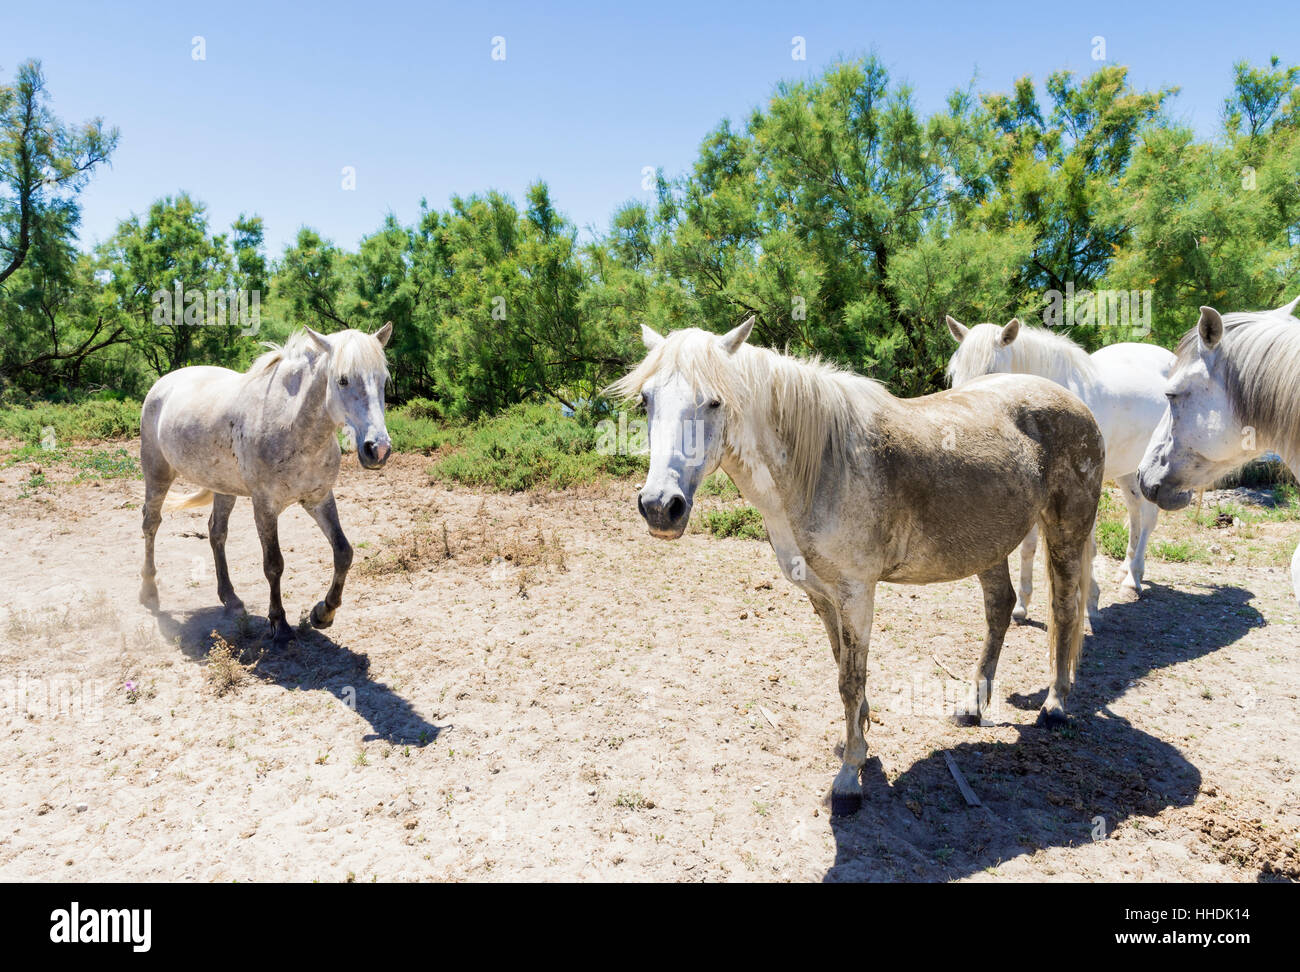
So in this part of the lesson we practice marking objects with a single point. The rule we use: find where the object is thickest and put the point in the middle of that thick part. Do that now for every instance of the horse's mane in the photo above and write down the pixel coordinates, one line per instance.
(1035, 351)
(1260, 355)
(351, 353)
(809, 404)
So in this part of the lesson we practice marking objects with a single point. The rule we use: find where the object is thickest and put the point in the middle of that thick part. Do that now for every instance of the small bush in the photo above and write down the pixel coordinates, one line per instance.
(530, 446)
(744, 522)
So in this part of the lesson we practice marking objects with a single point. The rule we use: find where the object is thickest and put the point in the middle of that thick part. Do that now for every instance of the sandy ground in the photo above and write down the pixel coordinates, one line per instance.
(589, 703)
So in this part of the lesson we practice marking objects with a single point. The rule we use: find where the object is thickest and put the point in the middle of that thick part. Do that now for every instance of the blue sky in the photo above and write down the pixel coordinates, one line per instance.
(588, 94)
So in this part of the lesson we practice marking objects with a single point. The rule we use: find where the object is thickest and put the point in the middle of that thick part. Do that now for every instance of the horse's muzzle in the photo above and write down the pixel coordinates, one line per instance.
(665, 513)
(372, 455)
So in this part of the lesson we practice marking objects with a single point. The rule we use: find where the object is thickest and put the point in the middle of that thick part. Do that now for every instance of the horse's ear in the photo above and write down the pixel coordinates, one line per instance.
(318, 340)
(956, 328)
(1288, 309)
(383, 334)
(1009, 332)
(733, 339)
(651, 338)
(1210, 328)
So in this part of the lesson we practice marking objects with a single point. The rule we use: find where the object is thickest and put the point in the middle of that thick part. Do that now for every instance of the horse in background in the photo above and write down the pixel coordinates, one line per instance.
(1233, 396)
(270, 434)
(856, 487)
(1123, 385)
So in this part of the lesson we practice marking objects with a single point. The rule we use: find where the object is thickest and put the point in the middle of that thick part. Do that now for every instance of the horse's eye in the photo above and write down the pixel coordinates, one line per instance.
(714, 404)
(343, 382)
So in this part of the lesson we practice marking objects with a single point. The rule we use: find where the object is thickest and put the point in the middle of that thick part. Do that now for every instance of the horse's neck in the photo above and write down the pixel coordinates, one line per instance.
(302, 387)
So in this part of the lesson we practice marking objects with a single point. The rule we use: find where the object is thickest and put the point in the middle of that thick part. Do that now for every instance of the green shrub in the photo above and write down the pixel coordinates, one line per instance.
(744, 522)
(93, 420)
(529, 446)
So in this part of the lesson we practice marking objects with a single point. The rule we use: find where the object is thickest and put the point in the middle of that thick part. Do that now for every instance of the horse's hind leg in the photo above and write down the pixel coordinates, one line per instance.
(158, 478)
(1142, 516)
(267, 519)
(222, 504)
(1028, 547)
(326, 515)
(999, 596)
(1069, 573)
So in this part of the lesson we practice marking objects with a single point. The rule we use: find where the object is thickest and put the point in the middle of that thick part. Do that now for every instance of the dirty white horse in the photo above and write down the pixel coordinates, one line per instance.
(856, 486)
(270, 434)
(1233, 396)
(1123, 384)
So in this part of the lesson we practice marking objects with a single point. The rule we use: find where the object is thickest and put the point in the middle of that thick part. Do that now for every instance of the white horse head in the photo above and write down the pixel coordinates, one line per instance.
(1233, 395)
(688, 393)
(358, 372)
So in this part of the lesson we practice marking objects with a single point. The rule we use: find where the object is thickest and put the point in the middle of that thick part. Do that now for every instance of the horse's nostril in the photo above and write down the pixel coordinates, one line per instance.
(640, 505)
(676, 507)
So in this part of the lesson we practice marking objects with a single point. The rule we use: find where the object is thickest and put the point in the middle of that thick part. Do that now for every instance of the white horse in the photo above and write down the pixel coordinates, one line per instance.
(1233, 396)
(1123, 384)
(856, 486)
(271, 434)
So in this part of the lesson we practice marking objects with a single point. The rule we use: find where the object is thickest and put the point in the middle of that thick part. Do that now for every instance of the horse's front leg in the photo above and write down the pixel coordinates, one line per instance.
(267, 518)
(1295, 573)
(856, 611)
(1142, 516)
(1028, 547)
(326, 515)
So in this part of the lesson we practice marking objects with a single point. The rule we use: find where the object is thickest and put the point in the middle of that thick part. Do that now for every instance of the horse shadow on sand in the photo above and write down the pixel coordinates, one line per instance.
(311, 662)
(1047, 788)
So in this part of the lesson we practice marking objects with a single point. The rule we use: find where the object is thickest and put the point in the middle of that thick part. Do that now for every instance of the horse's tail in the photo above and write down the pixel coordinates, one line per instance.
(201, 497)
(1074, 636)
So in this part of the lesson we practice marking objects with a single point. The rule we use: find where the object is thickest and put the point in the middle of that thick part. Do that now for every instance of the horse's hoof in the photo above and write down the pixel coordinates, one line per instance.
(233, 605)
(149, 598)
(1019, 613)
(845, 804)
(1053, 719)
(966, 719)
(319, 622)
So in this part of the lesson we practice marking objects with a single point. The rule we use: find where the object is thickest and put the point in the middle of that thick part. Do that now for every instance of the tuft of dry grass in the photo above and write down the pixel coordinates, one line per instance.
(226, 669)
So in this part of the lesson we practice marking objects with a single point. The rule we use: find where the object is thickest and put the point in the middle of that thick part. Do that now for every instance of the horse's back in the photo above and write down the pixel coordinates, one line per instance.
(185, 423)
(969, 470)
(1133, 354)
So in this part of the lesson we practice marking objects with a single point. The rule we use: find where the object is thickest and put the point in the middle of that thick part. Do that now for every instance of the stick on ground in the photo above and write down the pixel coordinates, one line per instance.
(967, 793)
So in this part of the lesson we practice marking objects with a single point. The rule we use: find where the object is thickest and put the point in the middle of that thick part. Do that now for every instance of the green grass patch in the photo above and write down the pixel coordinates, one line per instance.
(1112, 538)
(720, 485)
(89, 463)
(1179, 552)
(744, 522)
(530, 446)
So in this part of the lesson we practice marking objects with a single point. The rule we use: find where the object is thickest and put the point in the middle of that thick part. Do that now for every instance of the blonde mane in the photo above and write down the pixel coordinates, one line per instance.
(351, 352)
(1035, 351)
(1259, 362)
(810, 405)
